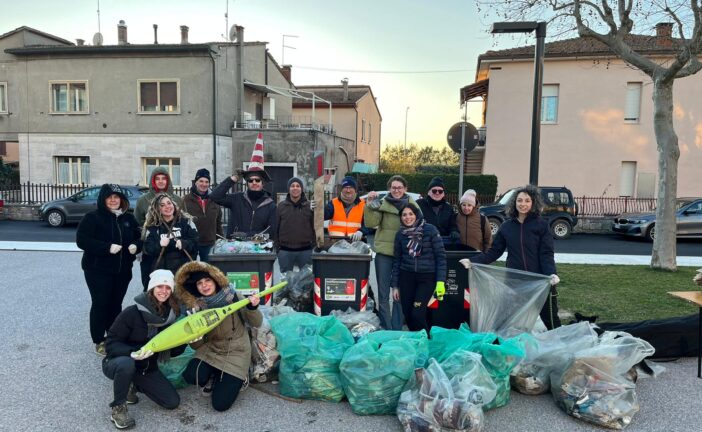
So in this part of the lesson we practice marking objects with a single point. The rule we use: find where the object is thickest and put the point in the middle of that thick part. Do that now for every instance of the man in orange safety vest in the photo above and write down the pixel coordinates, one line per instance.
(345, 212)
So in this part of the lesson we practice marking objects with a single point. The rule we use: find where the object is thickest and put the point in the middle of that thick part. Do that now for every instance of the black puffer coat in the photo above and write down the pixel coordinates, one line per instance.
(444, 219)
(101, 228)
(244, 215)
(431, 260)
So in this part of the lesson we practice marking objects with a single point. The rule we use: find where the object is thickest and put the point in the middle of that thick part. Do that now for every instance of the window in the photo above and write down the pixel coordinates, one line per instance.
(88, 194)
(363, 130)
(632, 108)
(3, 98)
(171, 164)
(69, 97)
(161, 97)
(370, 135)
(549, 103)
(72, 169)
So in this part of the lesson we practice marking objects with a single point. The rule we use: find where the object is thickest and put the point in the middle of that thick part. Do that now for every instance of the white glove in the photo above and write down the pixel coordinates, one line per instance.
(164, 241)
(115, 248)
(555, 279)
(132, 249)
(141, 354)
(357, 236)
(313, 205)
(466, 263)
(179, 245)
(196, 339)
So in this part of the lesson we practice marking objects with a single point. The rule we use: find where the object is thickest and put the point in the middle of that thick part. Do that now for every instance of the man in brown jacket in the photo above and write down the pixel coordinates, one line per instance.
(207, 215)
(295, 228)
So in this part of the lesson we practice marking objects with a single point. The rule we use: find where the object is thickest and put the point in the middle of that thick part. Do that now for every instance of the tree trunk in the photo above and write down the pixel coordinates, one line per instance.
(664, 249)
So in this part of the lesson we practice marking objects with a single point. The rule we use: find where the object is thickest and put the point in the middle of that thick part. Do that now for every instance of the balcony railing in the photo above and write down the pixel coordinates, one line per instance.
(287, 122)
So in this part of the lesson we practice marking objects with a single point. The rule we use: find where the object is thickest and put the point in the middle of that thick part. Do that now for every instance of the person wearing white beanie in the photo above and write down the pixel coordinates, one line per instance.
(473, 227)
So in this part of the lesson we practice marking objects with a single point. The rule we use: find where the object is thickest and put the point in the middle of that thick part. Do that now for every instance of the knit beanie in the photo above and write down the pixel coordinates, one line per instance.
(469, 197)
(349, 182)
(161, 277)
(436, 182)
(202, 172)
(298, 181)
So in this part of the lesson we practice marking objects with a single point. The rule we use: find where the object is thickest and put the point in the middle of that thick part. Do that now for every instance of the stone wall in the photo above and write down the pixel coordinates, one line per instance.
(594, 224)
(23, 212)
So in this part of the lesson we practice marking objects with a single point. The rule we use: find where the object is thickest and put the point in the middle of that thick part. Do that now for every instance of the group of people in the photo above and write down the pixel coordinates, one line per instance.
(170, 233)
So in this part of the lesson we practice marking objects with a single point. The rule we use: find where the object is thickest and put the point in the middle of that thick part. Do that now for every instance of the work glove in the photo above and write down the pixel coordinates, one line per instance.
(455, 236)
(357, 236)
(192, 311)
(197, 339)
(179, 244)
(141, 354)
(132, 249)
(466, 263)
(395, 294)
(440, 290)
(554, 280)
(313, 204)
(164, 241)
(115, 248)
(234, 178)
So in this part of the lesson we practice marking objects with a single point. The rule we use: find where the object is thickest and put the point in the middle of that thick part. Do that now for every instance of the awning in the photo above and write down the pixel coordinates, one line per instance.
(264, 88)
(474, 90)
(362, 167)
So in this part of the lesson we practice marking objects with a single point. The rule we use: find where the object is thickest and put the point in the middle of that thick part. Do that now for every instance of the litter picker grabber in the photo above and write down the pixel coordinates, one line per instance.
(198, 324)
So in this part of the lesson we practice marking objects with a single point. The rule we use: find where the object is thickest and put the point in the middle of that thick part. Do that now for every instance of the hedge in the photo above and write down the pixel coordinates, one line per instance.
(484, 185)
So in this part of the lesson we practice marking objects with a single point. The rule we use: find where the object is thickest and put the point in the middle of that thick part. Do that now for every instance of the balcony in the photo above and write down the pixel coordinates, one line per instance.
(289, 122)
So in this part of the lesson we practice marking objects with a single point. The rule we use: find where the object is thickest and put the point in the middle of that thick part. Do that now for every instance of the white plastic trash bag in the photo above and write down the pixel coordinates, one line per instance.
(503, 300)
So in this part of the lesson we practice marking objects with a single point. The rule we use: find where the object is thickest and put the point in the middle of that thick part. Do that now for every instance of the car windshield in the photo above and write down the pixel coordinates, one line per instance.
(504, 199)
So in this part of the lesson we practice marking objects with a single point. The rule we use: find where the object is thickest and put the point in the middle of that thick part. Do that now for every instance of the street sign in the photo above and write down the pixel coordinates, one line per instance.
(454, 137)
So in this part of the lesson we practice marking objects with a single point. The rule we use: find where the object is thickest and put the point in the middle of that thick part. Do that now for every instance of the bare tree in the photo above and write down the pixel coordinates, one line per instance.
(611, 22)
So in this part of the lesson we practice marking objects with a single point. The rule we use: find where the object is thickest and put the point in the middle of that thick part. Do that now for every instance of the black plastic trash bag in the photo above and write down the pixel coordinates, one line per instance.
(298, 291)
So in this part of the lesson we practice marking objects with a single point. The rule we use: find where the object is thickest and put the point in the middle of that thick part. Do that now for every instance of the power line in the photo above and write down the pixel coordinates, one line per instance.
(384, 71)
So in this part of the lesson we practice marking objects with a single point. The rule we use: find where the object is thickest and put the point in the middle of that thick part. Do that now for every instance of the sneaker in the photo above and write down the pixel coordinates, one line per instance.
(100, 349)
(121, 418)
(206, 390)
(132, 397)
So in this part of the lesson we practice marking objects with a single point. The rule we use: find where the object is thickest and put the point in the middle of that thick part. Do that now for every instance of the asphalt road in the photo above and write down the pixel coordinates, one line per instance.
(52, 381)
(611, 244)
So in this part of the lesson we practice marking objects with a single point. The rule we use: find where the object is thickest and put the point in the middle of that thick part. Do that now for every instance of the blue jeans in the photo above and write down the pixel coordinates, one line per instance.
(288, 259)
(389, 319)
(204, 252)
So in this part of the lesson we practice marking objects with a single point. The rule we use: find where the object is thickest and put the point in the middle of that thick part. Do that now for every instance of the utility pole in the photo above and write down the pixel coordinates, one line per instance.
(405, 146)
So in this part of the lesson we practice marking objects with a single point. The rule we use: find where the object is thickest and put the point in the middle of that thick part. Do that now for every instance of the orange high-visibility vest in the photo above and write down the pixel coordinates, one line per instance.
(341, 225)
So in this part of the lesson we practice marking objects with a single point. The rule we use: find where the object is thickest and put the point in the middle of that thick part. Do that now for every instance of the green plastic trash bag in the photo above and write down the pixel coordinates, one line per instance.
(311, 349)
(173, 369)
(445, 342)
(375, 370)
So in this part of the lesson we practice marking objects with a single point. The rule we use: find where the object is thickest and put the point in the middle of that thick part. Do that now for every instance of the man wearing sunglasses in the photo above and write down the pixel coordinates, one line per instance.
(252, 211)
(438, 212)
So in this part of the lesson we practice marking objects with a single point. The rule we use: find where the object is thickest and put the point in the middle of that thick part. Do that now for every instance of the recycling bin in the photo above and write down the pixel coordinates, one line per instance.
(340, 281)
(248, 273)
(454, 309)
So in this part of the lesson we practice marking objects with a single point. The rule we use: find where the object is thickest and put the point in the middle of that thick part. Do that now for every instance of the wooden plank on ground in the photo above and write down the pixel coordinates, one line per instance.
(319, 210)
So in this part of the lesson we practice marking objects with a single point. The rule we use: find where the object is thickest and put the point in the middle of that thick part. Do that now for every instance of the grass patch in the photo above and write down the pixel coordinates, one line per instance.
(624, 293)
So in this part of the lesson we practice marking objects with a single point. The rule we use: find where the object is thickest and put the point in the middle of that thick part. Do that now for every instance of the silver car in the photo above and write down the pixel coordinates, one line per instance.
(688, 215)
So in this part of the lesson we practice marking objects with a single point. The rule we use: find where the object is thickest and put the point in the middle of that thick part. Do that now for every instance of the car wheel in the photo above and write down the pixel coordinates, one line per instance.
(561, 229)
(55, 218)
(651, 233)
(494, 225)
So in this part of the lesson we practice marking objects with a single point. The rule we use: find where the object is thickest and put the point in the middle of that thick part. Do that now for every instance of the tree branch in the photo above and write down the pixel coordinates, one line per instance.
(692, 68)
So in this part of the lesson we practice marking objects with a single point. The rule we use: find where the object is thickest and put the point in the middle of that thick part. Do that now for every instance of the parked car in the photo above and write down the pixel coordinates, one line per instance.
(688, 217)
(72, 209)
(560, 210)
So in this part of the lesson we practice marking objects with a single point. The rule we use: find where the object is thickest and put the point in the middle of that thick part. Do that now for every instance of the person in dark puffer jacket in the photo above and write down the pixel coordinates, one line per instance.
(131, 369)
(250, 212)
(110, 238)
(295, 237)
(206, 214)
(419, 267)
(528, 240)
(438, 212)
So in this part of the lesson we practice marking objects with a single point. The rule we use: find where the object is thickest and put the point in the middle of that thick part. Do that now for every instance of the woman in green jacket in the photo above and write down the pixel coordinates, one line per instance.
(384, 215)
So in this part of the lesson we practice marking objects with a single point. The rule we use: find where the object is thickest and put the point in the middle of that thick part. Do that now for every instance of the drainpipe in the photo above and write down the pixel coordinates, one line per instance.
(214, 116)
(240, 71)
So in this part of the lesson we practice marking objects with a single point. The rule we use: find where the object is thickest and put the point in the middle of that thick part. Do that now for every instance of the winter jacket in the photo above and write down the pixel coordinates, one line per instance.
(144, 201)
(475, 233)
(295, 223)
(227, 347)
(208, 221)
(529, 246)
(172, 258)
(244, 215)
(444, 218)
(432, 258)
(128, 333)
(386, 220)
(100, 229)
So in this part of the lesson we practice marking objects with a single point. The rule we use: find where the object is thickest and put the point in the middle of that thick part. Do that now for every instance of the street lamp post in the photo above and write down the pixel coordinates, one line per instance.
(405, 146)
(540, 29)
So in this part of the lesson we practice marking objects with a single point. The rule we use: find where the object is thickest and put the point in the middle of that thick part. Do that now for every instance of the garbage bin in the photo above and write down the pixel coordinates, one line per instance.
(249, 273)
(455, 307)
(340, 281)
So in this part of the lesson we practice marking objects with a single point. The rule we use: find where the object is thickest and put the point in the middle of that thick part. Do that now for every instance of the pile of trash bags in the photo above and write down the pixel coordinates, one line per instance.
(265, 358)
(359, 323)
(344, 247)
(311, 349)
(223, 246)
(298, 292)
(375, 370)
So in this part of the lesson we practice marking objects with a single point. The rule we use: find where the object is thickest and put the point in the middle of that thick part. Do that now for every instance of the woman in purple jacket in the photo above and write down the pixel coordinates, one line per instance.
(529, 243)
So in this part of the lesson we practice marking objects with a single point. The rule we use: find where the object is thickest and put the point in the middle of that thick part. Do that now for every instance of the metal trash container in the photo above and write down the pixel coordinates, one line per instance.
(454, 309)
(340, 281)
(249, 273)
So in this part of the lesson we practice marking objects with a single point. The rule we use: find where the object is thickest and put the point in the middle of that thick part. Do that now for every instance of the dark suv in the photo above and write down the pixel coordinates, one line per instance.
(560, 210)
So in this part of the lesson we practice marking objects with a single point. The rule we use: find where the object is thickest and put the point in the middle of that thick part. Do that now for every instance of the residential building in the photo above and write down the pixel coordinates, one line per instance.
(355, 115)
(597, 133)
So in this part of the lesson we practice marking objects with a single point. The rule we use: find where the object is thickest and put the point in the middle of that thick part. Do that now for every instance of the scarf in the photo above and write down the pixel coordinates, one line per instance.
(117, 212)
(221, 298)
(154, 321)
(435, 203)
(397, 203)
(255, 195)
(415, 234)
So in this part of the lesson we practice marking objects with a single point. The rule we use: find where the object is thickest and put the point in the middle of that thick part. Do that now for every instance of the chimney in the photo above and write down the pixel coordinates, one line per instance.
(286, 70)
(184, 35)
(155, 34)
(80, 42)
(664, 33)
(345, 83)
(122, 33)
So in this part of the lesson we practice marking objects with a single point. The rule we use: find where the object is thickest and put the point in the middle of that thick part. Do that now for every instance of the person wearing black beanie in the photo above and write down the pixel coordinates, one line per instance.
(207, 215)
(438, 212)
(295, 236)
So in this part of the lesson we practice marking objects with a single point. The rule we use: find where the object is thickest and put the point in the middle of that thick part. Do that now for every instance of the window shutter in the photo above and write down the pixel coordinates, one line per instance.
(633, 101)
(148, 97)
(169, 96)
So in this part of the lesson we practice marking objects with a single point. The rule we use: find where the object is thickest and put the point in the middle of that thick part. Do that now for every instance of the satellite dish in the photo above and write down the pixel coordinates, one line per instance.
(97, 39)
(454, 137)
(233, 34)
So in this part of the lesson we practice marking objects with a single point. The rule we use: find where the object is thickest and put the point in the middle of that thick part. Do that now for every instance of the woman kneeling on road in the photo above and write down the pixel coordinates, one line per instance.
(224, 354)
(131, 371)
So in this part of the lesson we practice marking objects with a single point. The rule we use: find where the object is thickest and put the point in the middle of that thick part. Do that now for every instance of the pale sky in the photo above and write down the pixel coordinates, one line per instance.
(352, 38)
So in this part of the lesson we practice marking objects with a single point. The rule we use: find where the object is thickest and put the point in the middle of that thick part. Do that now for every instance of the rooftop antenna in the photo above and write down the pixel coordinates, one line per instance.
(98, 14)
(226, 21)
(282, 60)
(97, 37)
